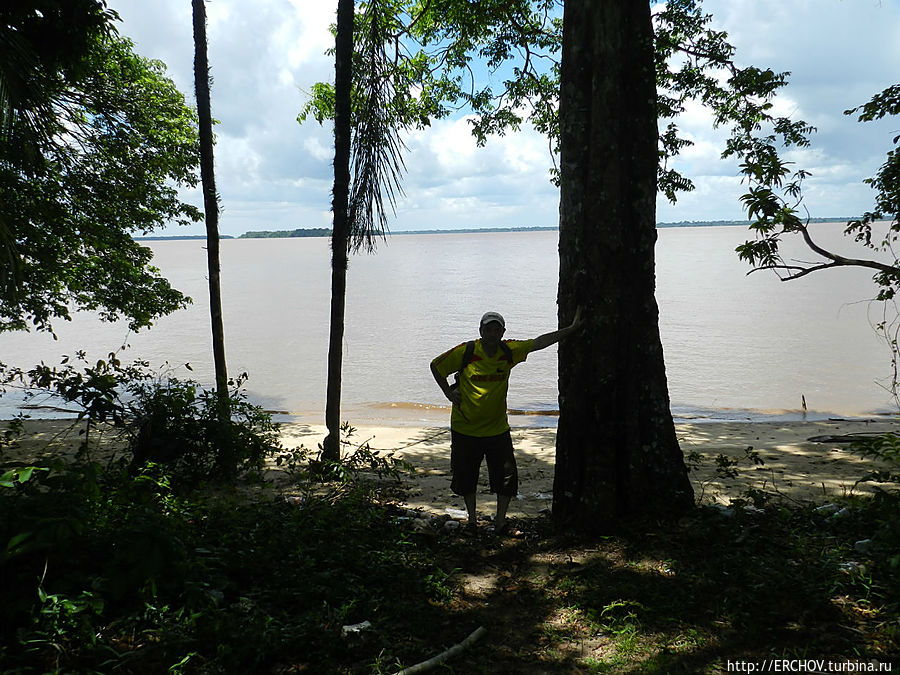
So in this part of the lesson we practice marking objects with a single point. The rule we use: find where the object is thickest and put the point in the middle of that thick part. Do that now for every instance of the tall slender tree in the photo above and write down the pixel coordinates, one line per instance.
(616, 451)
(210, 201)
(368, 164)
(340, 236)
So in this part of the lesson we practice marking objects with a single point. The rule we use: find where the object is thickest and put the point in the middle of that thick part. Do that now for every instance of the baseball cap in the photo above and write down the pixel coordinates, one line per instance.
(492, 316)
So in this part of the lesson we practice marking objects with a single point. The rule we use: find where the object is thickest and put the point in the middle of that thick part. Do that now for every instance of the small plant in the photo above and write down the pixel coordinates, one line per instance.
(294, 462)
(727, 467)
(14, 428)
(883, 509)
(438, 584)
(884, 448)
(693, 460)
(358, 460)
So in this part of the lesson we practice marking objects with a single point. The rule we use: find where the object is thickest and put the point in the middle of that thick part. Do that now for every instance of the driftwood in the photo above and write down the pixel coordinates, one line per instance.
(443, 656)
(848, 438)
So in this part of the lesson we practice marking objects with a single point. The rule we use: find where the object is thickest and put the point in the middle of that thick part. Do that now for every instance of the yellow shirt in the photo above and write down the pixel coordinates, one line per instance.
(483, 386)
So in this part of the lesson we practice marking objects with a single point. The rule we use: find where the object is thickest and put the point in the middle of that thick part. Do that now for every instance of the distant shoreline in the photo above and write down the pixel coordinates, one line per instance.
(301, 233)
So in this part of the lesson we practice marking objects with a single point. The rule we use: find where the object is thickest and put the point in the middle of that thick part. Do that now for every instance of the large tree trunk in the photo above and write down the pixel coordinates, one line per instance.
(340, 233)
(617, 453)
(210, 203)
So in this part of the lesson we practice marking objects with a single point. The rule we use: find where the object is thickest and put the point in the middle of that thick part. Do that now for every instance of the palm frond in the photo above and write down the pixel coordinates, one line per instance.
(377, 147)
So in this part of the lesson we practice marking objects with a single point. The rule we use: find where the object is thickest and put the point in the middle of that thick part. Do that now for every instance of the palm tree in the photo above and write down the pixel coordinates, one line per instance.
(210, 202)
(343, 73)
(367, 130)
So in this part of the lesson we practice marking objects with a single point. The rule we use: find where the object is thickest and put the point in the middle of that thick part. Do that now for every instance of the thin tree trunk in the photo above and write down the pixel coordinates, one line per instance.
(211, 208)
(340, 233)
(617, 453)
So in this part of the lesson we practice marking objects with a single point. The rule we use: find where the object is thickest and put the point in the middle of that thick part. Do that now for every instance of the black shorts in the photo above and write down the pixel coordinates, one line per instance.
(466, 453)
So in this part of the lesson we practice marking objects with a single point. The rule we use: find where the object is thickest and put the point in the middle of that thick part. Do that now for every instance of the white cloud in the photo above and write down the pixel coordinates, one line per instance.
(316, 148)
(274, 173)
(309, 44)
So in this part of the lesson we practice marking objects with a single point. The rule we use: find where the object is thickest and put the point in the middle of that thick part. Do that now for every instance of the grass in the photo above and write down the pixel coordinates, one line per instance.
(112, 572)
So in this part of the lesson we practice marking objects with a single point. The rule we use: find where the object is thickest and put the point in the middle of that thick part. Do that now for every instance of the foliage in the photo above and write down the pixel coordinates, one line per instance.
(774, 208)
(163, 419)
(885, 448)
(357, 461)
(14, 428)
(774, 204)
(377, 148)
(179, 424)
(40, 50)
(695, 62)
(358, 468)
(435, 46)
(439, 46)
(108, 571)
(98, 142)
(119, 573)
(382, 104)
(753, 586)
(886, 183)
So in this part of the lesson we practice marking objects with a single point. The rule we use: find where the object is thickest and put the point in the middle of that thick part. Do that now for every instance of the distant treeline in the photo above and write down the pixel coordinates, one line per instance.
(744, 223)
(326, 232)
(284, 234)
(179, 237)
(472, 230)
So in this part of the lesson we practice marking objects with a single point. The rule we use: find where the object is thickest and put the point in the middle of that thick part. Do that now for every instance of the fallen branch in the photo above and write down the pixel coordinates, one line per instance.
(443, 656)
(848, 438)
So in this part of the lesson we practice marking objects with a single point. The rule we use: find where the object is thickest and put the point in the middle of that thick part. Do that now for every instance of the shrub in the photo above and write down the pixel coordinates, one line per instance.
(178, 424)
(163, 419)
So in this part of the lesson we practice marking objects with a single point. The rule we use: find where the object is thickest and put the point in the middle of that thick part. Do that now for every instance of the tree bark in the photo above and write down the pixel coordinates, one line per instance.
(210, 202)
(340, 233)
(617, 453)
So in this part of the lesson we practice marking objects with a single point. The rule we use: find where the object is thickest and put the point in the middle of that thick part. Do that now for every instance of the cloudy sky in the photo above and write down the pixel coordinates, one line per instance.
(273, 173)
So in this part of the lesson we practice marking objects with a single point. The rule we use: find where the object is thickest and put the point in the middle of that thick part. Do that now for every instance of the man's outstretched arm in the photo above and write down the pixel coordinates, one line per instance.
(547, 339)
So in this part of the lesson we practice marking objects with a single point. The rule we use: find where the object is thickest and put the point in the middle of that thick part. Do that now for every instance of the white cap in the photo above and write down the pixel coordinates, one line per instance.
(492, 316)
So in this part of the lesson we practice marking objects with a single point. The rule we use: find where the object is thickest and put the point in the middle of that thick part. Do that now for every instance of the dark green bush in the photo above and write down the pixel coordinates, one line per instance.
(163, 419)
(178, 424)
(120, 573)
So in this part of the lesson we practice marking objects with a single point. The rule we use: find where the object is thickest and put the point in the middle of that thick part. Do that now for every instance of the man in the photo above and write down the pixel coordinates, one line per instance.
(479, 427)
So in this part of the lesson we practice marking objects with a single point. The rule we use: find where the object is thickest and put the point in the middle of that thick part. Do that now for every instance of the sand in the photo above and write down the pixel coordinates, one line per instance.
(794, 468)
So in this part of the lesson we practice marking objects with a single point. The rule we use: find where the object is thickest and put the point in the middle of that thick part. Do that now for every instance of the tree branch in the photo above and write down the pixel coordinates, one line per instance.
(442, 657)
(839, 260)
(802, 271)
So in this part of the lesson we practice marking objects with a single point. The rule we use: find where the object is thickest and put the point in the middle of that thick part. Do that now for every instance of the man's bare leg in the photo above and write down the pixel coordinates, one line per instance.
(470, 508)
(502, 506)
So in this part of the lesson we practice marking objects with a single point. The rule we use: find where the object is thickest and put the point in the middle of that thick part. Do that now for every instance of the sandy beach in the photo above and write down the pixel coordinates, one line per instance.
(794, 467)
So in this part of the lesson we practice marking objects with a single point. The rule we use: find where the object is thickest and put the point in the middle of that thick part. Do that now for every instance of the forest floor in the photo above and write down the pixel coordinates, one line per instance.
(785, 562)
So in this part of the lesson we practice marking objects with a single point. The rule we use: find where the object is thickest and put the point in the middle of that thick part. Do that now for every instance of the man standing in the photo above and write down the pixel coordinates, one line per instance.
(479, 427)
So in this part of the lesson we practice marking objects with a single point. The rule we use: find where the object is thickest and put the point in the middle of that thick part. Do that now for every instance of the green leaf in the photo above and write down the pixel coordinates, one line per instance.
(14, 545)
